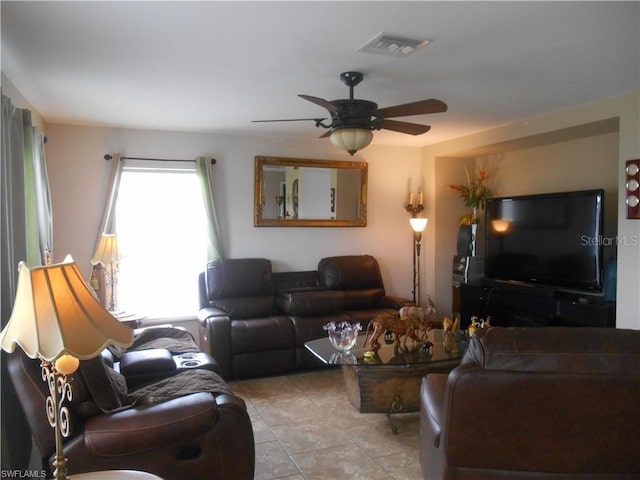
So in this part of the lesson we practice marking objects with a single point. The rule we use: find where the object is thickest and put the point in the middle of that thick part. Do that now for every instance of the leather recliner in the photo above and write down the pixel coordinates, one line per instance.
(255, 322)
(544, 403)
(202, 435)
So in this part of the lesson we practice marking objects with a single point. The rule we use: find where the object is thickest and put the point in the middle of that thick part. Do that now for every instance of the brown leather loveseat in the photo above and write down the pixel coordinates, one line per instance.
(255, 322)
(534, 403)
(186, 424)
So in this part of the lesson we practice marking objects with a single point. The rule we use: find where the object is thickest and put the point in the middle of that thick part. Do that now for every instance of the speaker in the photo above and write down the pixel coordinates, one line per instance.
(459, 270)
(467, 269)
(466, 244)
(465, 239)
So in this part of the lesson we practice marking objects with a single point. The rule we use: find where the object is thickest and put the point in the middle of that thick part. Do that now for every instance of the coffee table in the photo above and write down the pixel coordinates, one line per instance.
(389, 382)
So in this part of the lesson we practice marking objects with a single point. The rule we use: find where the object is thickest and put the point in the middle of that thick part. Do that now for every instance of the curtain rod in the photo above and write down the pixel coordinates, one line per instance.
(110, 157)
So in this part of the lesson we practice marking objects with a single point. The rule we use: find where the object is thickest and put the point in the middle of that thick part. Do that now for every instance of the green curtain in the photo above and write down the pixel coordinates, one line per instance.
(25, 218)
(39, 220)
(204, 169)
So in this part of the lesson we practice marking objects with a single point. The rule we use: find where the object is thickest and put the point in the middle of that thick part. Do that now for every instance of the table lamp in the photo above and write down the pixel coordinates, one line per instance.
(108, 255)
(57, 319)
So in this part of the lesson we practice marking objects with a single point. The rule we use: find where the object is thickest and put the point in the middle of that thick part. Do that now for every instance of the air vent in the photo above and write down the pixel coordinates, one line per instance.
(394, 45)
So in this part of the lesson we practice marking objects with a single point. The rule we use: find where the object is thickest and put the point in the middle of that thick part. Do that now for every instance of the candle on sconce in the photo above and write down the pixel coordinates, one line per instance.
(415, 208)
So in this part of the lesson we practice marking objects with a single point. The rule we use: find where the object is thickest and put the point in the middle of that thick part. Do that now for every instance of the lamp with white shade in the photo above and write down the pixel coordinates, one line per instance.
(57, 319)
(108, 255)
(417, 225)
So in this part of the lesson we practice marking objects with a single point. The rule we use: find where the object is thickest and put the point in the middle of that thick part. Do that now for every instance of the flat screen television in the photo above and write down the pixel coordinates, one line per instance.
(548, 239)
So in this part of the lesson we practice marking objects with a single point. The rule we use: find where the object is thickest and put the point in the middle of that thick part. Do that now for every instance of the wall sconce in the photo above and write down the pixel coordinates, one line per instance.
(415, 209)
(632, 190)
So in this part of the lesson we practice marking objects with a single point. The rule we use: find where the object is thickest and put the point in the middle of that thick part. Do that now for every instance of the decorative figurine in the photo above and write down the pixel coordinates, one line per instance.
(477, 324)
(449, 334)
(421, 313)
(408, 327)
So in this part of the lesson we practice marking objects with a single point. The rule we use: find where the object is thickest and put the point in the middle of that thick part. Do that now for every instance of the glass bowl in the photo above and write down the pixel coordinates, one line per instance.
(343, 335)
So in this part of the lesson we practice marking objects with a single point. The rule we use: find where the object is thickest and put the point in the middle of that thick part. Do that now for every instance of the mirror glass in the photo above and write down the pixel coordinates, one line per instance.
(295, 192)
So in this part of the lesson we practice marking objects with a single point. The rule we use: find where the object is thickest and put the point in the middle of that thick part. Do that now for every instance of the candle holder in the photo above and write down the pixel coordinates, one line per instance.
(414, 210)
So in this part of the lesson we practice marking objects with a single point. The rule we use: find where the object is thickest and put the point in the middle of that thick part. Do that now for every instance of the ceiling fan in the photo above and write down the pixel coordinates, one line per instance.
(353, 120)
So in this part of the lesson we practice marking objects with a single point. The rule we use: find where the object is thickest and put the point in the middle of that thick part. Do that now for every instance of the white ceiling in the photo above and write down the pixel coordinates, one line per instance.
(215, 66)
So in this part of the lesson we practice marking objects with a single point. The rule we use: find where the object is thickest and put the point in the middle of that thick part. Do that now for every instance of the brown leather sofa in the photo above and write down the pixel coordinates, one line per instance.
(206, 434)
(536, 403)
(255, 322)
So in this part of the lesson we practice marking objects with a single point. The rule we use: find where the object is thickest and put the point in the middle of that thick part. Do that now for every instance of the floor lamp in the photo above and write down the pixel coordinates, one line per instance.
(418, 225)
(57, 319)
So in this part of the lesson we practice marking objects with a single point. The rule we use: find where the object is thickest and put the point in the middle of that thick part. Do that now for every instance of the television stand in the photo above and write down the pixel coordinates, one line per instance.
(518, 306)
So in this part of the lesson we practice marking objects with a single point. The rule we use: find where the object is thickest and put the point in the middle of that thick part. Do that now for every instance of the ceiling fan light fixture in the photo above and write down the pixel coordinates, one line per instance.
(351, 139)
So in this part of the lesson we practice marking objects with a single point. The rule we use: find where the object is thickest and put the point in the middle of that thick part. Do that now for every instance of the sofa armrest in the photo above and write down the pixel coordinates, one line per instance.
(206, 312)
(432, 402)
(137, 429)
(395, 302)
(432, 395)
(215, 339)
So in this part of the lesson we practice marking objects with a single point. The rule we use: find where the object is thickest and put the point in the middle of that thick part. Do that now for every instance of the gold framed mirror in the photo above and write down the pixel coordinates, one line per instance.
(297, 192)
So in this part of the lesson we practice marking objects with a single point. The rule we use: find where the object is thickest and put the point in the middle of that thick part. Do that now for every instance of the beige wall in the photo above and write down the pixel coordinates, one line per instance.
(579, 148)
(78, 176)
(587, 163)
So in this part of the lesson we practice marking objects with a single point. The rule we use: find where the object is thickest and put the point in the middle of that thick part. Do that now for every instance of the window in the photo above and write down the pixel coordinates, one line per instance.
(160, 221)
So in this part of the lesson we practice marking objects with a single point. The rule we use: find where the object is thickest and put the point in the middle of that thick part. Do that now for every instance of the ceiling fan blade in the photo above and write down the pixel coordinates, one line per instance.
(320, 101)
(421, 107)
(325, 134)
(405, 127)
(290, 120)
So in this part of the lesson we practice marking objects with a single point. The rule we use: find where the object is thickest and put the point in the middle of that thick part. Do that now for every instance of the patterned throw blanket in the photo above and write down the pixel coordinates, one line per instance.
(109, 387)
(175, 340)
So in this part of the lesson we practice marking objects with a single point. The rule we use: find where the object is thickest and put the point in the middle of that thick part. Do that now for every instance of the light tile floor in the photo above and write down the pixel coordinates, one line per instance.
(306, 429)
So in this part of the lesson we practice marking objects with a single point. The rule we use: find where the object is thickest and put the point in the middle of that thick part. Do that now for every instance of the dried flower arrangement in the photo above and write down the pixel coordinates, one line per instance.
(474, 193)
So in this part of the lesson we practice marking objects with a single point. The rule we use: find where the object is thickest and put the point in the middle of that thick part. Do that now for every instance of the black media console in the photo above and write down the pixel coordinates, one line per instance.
(525, 306)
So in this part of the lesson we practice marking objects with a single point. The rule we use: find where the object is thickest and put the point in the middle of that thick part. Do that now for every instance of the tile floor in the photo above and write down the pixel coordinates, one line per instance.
(306, 429)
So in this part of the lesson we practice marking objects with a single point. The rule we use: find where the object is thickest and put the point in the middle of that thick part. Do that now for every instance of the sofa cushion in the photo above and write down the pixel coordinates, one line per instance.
(556, 349)
(239, 277)
(361, 299)
(246, 307)
(287, 281)
(262, 334)
(350, 272)
(311, 302)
